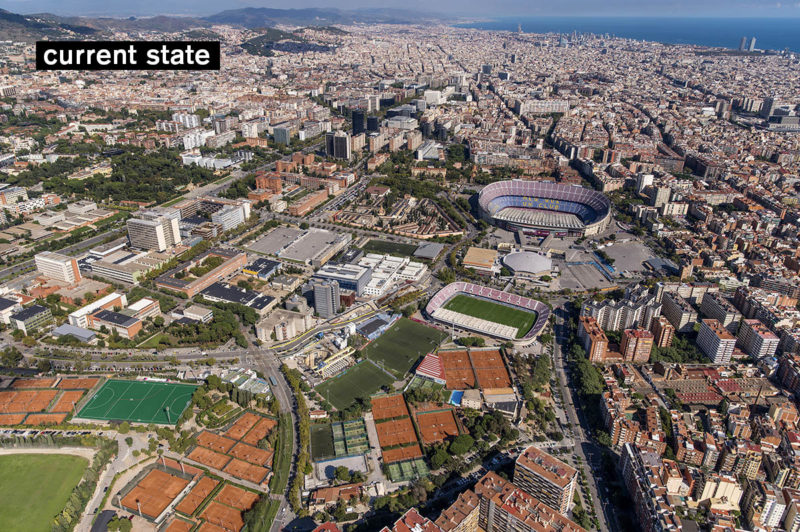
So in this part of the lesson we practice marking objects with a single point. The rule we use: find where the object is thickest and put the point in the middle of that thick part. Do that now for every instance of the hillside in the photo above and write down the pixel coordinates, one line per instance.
(29, 28)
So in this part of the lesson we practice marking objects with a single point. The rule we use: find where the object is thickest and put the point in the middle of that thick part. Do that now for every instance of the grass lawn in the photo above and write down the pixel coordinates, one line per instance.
(362, 380)
(399, 348)
(522, 320)
(283, 455)
(152, 342)
(392, 248)
(34, 488)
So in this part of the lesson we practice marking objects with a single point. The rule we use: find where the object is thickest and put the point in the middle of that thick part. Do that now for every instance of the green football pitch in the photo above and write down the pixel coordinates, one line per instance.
(362, 380)
(520, 319)
(399, 348)
(139, 401)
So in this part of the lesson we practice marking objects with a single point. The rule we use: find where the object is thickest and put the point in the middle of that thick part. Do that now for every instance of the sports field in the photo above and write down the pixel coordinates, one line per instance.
(399, 348)
(520, 319)
(139, 401)
(27, 502)
(362, 380)
(392, 248)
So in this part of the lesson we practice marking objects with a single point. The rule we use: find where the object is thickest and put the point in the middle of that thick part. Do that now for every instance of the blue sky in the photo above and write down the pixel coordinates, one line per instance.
(463, 8)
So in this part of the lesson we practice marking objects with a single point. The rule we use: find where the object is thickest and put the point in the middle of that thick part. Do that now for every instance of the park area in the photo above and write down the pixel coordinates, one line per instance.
(34, 489)
(400, 347)
(522, 320)
(361, 380)
(139, 401)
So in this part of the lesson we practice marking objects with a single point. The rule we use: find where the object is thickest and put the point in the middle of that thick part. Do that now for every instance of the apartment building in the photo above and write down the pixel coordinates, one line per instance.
(506, 507)
(636, 345)
(679, 312)
(663, 332)
(545, 477)
(717, 307)
(594, 340)
(756, 339)
(715, 341)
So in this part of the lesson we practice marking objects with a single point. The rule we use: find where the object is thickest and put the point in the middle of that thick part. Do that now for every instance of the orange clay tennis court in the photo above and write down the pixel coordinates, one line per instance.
(209, 458)
(33, 383)
(249, 472)
(242, 425)
(67, 401)
(236, 497)
(11, 419)
(214, 442)
(397, 432)
(489, 369)
(26, 400)
(436, 426)
(260, 431)
(174, 464)
(5, 399)
(457, 370)
(388, 407)
(209, 527)
(197, 495)
(402, 453)
(77, 384)
(179, 525)
(220, 515)
(254, 455)
(154, 493)
(45, 419)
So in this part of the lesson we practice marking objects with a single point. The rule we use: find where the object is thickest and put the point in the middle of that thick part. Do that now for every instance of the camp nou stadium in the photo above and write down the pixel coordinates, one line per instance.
(545, 208)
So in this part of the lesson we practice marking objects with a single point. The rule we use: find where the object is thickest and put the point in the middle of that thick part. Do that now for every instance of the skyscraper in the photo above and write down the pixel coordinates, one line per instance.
(358, 121)
(326, 298)
(283, 135)
(337, 145)
(752, 46)
(742, 44)
(373, 124)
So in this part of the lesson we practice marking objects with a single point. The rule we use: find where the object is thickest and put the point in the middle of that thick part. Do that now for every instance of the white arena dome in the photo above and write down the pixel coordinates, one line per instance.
(528, 263)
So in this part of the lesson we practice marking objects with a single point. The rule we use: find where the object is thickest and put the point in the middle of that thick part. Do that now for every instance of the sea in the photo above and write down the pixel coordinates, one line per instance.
(770, 33)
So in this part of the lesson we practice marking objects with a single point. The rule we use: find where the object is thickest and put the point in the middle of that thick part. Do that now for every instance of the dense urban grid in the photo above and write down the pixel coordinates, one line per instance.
(402, 277)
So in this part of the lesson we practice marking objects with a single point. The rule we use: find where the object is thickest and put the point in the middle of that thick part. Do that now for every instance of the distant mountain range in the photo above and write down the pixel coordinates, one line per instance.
(31, 27)
(256, 17)
(46, 25)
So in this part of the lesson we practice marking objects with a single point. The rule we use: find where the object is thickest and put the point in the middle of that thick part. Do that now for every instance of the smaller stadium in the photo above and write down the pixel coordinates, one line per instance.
(545, 208)
(490, 312)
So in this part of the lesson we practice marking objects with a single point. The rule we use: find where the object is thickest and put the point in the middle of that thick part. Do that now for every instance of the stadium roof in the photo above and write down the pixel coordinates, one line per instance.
(589, 205)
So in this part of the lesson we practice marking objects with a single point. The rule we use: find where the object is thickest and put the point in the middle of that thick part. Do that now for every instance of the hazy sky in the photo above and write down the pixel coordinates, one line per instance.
(456, 8)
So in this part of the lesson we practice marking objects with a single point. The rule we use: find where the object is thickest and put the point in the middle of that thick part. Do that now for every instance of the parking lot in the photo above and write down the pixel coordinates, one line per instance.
(629, 256)
(581, 277)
